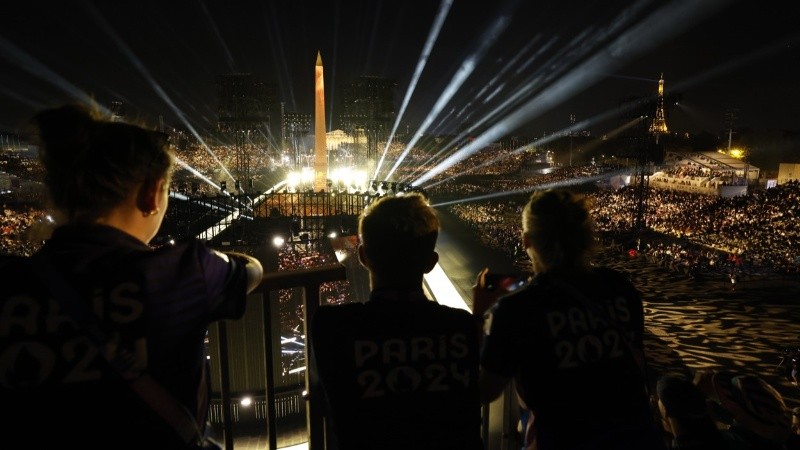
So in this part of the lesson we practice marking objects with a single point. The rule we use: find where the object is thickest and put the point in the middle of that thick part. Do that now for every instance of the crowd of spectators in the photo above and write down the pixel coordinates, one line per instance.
(691, 233)
(18, 222)
(217, 165)
(455, 187)
(754, 233)
(694, 233)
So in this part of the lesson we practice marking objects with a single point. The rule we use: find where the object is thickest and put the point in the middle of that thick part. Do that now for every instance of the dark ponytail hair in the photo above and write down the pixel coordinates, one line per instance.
(92, 164)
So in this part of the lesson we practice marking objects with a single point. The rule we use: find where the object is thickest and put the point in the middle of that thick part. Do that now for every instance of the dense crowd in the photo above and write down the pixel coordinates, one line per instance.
(520, 182)
(216, 165)
(694, 233)
(17, 225)
(757, 232)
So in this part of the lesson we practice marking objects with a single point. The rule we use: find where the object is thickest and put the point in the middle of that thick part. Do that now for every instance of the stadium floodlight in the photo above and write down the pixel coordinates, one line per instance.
(278, 241)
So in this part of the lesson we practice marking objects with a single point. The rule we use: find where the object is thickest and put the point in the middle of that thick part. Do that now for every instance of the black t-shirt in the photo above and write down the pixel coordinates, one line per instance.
(399, 371)
(568, 345)
(156, 305)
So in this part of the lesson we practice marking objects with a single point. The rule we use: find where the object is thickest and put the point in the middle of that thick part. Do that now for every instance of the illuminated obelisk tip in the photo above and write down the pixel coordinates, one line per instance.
(320, 147)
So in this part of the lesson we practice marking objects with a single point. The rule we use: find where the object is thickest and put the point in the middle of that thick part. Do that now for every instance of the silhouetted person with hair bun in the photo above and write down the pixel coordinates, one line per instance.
(109, 185)
(571, 339)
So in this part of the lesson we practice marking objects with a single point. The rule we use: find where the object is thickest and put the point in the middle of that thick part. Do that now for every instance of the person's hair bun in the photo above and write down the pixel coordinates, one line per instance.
(65, 130)
(65, 123)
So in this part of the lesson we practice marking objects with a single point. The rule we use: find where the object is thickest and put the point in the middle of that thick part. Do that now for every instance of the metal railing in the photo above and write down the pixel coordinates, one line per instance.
(310, 281)
(498, 419)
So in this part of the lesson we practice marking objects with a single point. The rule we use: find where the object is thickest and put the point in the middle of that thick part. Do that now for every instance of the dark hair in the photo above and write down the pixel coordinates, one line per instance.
(399, 233)
(559, 228)
(93, 164)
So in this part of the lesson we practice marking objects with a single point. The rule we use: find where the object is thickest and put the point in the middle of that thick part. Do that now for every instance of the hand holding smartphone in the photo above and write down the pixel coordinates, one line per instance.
(504, 282)
(491, 286)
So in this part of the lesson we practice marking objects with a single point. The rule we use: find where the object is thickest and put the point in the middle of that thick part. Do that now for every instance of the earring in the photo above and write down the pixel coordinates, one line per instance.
(150, 213)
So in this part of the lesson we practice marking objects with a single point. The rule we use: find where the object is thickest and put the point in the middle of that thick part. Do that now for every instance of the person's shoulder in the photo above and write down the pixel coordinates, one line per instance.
(445, 308)
(603, 271)
(337, 312)
(447, 311)
(522, 298)
(340, 308)
(606, 275)
(332, 318)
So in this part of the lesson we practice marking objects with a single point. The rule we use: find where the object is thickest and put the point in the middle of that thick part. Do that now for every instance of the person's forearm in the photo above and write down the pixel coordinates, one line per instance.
(253, 267)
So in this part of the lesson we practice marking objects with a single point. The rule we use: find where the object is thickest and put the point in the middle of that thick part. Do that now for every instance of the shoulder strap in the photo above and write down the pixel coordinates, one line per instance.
(156, 396)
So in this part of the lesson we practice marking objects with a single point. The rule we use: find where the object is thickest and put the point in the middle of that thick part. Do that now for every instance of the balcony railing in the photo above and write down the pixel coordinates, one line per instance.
(498, 420)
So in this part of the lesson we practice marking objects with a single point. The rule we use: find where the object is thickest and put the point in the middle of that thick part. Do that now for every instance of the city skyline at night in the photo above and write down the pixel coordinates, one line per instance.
(455, 62)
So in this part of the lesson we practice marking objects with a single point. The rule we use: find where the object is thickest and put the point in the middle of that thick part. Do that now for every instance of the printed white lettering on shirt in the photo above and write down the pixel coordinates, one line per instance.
(582, 336)
(411, 364)
(411, 349)
(406, 379)
(46, 349)
(30, 363)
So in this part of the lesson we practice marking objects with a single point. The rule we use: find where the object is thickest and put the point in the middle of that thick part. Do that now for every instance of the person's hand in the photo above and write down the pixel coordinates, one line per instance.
(482, 298)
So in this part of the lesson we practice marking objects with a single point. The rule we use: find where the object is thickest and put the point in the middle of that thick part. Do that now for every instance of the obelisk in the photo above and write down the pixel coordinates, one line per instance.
(320, 147)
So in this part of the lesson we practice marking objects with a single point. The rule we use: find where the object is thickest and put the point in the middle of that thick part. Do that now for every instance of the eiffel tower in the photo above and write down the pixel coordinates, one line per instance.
(659, 125)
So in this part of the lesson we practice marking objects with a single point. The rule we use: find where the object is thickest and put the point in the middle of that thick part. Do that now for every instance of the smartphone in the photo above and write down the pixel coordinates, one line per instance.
(504, 281)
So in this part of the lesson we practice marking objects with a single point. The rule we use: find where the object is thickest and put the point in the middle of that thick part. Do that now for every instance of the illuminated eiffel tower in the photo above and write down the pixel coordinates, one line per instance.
(659, 125)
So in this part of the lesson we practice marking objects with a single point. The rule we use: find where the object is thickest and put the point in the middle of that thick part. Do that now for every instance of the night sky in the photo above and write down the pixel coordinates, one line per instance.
(539, 61)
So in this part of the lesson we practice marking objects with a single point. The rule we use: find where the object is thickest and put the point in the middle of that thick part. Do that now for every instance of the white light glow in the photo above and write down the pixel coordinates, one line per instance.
(442, 289)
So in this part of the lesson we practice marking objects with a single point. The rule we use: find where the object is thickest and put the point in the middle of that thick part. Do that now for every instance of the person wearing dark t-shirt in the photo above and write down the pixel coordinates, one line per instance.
(571, 339)
(108, 183)
(398, 371)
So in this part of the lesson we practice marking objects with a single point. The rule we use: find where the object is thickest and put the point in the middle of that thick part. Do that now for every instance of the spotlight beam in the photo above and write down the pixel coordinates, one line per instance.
(570, 54)
(466, 69)
(444, 9)
(551, 69)
(28, 63)
(544, 140)
(137, 63)
(544, 186)
(668, 21)
(195, 172)
(517, 95)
